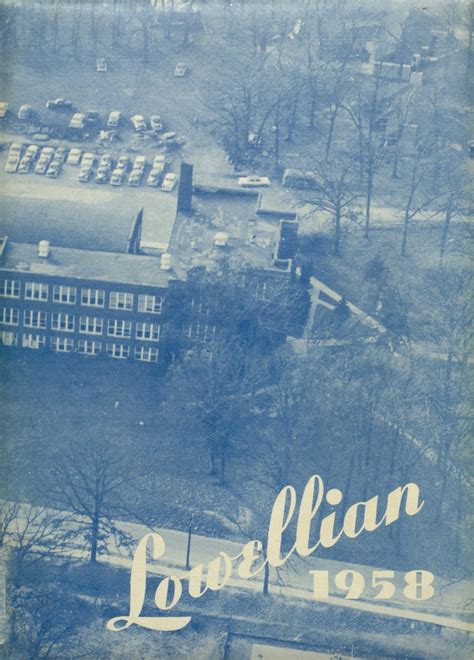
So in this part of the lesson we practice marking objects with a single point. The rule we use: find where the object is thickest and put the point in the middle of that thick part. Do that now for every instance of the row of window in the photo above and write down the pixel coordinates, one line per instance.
(83, 346)
(68, 295)
(85, 324)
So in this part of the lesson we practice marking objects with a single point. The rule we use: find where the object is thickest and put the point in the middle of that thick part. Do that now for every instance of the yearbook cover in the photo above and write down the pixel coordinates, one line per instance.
(235, 329)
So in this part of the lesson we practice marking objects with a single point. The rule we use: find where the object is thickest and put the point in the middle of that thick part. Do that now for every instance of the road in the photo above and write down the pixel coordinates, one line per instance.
(447, 608)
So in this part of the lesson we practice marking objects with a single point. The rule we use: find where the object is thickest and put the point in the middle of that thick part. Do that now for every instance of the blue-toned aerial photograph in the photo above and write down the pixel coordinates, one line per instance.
(236, 296)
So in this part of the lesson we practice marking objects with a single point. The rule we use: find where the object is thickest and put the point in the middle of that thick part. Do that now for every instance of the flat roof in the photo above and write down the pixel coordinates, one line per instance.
(250, 229)
(87, 264)
(158, 221)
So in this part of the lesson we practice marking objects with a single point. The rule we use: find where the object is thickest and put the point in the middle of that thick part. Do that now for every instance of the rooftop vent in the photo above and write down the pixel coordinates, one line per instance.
(43, 249)
(165, 261)
(221, 239)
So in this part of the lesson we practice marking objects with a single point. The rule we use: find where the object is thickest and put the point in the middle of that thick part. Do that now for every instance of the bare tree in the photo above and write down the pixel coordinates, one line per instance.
(88, 481)
(336, 193)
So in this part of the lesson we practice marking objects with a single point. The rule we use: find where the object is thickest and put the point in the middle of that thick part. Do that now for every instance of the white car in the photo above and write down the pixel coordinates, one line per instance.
(74, 157)
(139, 163)
(135, 177)
(156, 123)
(42, 165)
(78, 120)
(154, 178)
(15, 149)
(12, 164)
(123, 163)
(114, 119)
(169, 182)
(25, 165)
(88, 160)
(47, 152)
(138, 122)
(105, 161)
(3, 109)
(85, 174)
(180, 70)
(32, 151)
(159, 160)
(117, 178)
(25, 111)
(253, 181)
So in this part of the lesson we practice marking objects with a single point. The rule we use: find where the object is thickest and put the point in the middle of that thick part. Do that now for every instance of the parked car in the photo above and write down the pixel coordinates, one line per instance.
(138, 122)
(78, 120)
(92, 117)
(54, 169)
(135, 177)
(59, 104)
(88, 159)
(61, 154)
(47, 152)
(470, 147)
(117, 178)
(123, 163)
(180, 70)
(25, 111)
(101, 65)
(154, 178)
(85, 174)
(159, 160)
(74, 156)
(15, 149)
(114, 119)
(156, 123)
(169, 136)
(139, 163)
(12, 163)
(253, 181)
(102, 175)
(32, 151)
(3, 109)
(105, 161)
(169, 182)
(42, 165)
(25, 165)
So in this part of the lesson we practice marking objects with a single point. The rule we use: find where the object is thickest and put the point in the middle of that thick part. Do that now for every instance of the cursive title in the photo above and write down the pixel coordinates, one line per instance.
(256, 555)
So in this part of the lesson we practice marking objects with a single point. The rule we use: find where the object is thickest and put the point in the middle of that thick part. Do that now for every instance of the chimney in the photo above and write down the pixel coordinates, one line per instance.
(43, 249)
(165, 261)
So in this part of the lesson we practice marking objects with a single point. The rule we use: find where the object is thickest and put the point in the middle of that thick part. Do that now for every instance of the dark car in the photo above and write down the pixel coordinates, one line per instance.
(92, 118)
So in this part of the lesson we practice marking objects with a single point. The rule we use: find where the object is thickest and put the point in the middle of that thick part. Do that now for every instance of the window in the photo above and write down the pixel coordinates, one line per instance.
(262, 291)
(89, 347)
(33, 341)
(92, 297)
(145, 354)
(201, 331)
(91, 325)
(150, 304)
(198, 306)
(147, 331)
(64, 322)
(121, 300)
(9, 338)
(118, 328)
(64, 294)
(36, 291)
(10, 316)
(34, 319)
(121, 351)
(62, 344)
(10, 288)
